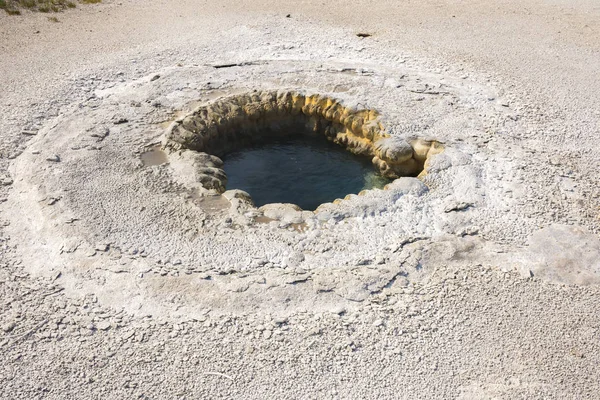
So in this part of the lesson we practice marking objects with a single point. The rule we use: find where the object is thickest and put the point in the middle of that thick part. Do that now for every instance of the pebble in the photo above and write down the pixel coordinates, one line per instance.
(102, 247)
(9, 326)
(378, 322)
(54, 158)
(338, 310)
(103, 325)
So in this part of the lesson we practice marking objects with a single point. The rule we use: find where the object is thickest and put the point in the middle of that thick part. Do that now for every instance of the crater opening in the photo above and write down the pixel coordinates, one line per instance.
(287, 147)
(306, 170)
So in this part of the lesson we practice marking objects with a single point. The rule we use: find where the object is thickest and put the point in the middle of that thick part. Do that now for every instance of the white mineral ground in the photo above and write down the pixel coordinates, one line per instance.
(479, 280)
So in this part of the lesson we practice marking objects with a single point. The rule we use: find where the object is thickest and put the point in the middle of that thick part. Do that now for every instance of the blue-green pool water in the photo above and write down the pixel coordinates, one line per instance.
(306, 171)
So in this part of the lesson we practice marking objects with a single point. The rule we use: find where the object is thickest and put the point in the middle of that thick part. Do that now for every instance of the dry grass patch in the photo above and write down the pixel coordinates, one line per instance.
(14, 7)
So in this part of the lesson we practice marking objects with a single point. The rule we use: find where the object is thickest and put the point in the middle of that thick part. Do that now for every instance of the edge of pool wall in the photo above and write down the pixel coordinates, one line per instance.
(233, 122)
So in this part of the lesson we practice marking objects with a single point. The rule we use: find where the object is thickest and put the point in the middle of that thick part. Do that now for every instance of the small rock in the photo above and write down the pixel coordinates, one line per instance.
(525, 273)
(90, 253)
(468, 231)
(155, 77)
(102, 247)
(103, 325)
(51, 200)
(54, 158)
(378, 322)
(314, 332)
(458, 206)
(29, 132)
(7, 181)
(339, 310)
(117, 120)
(8, 326)
(100, 133)
(267, 334)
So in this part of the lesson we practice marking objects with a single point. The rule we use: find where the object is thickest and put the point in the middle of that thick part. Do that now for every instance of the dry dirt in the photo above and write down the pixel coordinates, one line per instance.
(478, 281)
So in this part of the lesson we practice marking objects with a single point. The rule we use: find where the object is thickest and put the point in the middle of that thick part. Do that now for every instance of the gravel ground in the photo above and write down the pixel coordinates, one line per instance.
(483, 286)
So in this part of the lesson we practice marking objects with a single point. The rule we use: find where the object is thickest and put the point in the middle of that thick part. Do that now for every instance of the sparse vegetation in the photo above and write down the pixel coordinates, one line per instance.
(13, 7)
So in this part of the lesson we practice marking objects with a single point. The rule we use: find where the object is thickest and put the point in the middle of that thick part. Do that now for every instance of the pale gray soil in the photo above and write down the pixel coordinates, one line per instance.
(479, 281)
